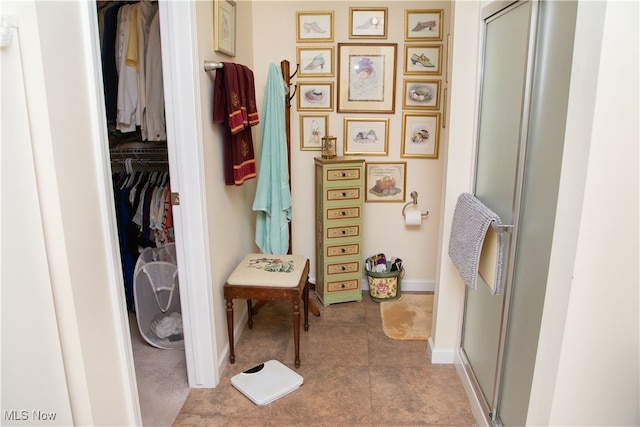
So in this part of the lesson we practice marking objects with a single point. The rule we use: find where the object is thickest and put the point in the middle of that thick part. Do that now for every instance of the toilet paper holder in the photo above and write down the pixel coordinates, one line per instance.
(414, 197)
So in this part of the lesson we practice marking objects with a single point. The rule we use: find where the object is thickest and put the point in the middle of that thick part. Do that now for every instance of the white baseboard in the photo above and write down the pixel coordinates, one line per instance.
(442, 356)
(238, 327)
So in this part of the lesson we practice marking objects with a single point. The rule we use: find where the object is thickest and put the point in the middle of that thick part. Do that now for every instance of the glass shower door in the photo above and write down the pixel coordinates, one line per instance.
(497, 184)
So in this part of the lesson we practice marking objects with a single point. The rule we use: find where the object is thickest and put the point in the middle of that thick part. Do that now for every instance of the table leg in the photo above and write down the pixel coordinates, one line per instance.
(296, 330)
(232, 356)
(305, 301)
(250, 311)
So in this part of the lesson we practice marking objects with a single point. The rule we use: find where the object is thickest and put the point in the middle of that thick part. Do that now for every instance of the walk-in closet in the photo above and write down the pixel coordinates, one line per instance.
(129, 35)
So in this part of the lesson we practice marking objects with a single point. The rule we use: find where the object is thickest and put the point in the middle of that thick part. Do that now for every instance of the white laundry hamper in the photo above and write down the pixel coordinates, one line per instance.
(156, 294)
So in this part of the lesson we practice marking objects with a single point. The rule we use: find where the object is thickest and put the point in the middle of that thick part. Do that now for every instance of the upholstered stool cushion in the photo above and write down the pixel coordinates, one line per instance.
(267, 270)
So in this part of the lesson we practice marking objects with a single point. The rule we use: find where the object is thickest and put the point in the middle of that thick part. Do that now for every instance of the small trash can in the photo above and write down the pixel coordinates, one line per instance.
(385, 286)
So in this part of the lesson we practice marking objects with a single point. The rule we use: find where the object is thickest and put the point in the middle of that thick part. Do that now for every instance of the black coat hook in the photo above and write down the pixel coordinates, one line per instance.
(295, 72)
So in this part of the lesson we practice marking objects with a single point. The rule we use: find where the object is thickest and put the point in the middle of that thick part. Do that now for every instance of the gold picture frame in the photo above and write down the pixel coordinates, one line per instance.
(224, 39)
(368, 22)
(423, 59)
(315, 26)
(421, 94)
(423, 25)
(385, 182)
(316, 61)
(420, 135)
(366, 137)
(313, 127)
(367, 77)
(315, 96)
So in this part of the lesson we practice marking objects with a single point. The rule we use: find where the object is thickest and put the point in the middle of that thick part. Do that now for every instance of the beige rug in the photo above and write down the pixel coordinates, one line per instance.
(408, 317)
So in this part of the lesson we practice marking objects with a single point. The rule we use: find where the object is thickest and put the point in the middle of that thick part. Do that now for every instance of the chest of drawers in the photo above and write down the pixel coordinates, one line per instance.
(339, 205)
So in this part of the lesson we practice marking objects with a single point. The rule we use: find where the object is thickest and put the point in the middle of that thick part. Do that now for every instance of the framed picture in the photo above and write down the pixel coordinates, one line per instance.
(366, 78)
(385, 182)
(315, 61)
(315, 96)
(314, 26)
(366, 137)
(423, 59)
(313, 127)
(421, 94)
(423, 25)
(368, 23)
(420, 135)
(224, 39)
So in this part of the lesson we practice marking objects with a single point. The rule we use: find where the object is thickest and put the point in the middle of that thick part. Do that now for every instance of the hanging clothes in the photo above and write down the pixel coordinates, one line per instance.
(132, 71)
(273, 195)
(144, 218)
(234, 106)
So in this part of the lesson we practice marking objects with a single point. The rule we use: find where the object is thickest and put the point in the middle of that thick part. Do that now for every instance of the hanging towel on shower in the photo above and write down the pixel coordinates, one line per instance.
(471, 220)
(233, 100)
(273, 195)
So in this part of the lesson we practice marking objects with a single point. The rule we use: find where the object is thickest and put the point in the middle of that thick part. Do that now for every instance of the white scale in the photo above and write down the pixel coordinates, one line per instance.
(267, 382)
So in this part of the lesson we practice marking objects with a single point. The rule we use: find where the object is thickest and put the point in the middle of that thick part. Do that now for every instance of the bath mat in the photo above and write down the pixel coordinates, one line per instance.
(408, 317)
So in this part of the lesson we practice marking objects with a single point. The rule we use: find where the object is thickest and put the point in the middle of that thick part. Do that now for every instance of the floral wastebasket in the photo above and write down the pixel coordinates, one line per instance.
(385, 286)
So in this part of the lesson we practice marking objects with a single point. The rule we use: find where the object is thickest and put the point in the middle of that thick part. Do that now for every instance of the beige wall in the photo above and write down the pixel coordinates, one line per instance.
(230, 216)
(587, 369)
(384, 229)
(459, 160)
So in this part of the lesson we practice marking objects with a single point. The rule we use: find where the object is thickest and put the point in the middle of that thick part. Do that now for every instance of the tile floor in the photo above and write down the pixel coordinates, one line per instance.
(353, 376)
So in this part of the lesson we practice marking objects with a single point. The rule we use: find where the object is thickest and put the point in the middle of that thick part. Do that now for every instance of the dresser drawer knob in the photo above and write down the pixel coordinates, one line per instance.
(342, 285)
(344, 194)
(344, 231)
(343, 250)
(343, 174)
(343, 268)
(343, 213)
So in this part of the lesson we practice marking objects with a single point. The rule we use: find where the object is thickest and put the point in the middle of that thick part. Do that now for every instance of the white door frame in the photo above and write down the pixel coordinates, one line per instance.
(183, 120)
(185, 145)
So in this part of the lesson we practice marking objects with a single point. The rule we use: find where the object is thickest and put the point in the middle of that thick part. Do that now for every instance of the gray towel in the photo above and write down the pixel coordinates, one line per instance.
(471, 219)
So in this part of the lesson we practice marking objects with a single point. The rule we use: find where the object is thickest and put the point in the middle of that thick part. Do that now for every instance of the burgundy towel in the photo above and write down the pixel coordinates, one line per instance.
(227, 102)
(229, 108)
(252, 109)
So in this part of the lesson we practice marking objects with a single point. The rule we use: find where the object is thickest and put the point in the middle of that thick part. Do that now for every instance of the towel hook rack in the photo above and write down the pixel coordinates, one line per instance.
(212, 65)
(414, 197)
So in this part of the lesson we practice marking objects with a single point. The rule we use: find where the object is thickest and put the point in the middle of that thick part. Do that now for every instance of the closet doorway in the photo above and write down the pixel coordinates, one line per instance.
(181, 92)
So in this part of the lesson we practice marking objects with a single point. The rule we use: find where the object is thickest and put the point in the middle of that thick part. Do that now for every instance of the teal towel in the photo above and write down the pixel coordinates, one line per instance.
(273, 195)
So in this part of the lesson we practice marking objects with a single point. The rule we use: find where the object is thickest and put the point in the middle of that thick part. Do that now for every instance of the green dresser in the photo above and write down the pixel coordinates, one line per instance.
(339, 206)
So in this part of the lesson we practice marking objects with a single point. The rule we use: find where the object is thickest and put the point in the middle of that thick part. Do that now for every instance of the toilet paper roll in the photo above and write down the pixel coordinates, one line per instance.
(412, 217)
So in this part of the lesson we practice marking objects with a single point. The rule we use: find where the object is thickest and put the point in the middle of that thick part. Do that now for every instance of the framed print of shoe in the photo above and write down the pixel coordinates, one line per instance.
(315, 96)
(316, 26)
(423, 59)
(421, 94)
(368, 23)
(423, 25)
(315, 61)
(420, 135)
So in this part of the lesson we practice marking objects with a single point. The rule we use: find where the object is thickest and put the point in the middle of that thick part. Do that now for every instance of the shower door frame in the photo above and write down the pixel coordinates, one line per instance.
(491, 12)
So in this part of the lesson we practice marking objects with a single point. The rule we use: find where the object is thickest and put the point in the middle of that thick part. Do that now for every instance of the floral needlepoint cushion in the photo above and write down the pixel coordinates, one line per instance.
(268, 270)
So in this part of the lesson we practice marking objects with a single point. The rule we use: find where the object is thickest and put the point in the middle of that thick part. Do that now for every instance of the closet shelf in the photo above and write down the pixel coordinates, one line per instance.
(149, 151)
(143, 156)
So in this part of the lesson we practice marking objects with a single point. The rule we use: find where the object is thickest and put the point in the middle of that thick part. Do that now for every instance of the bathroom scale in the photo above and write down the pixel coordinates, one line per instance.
(267, 382)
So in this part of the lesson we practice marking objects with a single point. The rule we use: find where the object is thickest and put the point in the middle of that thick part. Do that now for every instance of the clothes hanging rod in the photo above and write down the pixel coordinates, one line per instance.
(212, 65)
